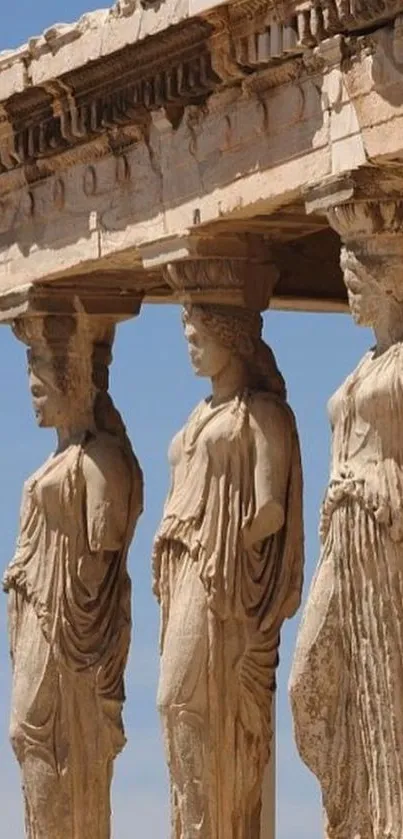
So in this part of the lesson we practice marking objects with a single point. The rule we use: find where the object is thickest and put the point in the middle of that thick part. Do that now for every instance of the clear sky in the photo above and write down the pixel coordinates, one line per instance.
(154, 388)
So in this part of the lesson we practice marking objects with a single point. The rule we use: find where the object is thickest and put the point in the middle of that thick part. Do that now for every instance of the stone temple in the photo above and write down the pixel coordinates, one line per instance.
(230, 157)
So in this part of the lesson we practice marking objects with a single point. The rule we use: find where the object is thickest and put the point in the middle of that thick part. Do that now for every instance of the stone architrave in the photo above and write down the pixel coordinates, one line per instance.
(68, 586)
(227, 560)
(346, 685)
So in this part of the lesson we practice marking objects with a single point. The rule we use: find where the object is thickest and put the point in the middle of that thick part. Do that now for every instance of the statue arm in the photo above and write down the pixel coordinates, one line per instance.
(271, 429)
(108, 489)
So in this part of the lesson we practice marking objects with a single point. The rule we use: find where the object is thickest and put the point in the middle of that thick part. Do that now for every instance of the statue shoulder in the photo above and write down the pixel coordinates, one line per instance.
(110, 492)
(105, 463)
(270, 414)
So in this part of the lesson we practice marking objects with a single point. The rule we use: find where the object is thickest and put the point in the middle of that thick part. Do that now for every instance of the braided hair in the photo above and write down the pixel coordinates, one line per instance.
(240, 330)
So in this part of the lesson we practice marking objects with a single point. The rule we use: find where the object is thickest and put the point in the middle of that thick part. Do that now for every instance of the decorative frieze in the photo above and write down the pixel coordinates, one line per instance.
(79, 107)
(220, 46)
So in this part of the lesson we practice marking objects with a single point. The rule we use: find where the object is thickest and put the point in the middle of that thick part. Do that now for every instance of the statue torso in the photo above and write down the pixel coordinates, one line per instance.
(366, 415)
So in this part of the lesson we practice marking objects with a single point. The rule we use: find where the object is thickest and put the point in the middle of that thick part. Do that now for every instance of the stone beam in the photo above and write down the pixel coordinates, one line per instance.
(119, 288)
(242, 119)
(103, 36)
(368, 184)
(99, 108)
(300, 285)
(98, 213)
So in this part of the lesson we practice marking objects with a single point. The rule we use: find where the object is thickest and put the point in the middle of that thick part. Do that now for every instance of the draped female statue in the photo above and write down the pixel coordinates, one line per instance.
(68, 587)
(347, 680)
(227, 572)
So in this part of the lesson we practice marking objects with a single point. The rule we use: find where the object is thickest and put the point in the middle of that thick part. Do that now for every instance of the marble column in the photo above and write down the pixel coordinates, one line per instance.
(68, 586)
(227, 557)
(347, 680)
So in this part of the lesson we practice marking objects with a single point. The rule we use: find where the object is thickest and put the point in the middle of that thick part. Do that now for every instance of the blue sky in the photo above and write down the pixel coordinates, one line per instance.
(153, 386)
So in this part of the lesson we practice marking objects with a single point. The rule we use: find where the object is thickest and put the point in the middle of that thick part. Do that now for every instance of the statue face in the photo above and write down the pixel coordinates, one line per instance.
(365, 296)
(50, 405)
(208, 357)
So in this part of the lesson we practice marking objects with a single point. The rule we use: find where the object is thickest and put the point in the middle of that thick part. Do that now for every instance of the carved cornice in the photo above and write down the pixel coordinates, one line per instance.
(364, 219)
(176, 67)
(229, 282)
(64, 298)
(369, 183)
(366, 209)
(263, 34)
(103, 96)
(319, 19)
(226, 269)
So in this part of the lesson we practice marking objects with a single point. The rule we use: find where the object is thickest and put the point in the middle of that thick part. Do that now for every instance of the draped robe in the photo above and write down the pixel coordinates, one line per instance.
(69, 621)
(347, 680)
(222, 606)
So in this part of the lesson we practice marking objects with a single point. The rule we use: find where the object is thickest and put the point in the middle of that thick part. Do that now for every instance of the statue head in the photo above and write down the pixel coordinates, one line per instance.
(374, 283)
(371, 257)
(51, 403)
(208, 354)
(68, 358)
(217, 335)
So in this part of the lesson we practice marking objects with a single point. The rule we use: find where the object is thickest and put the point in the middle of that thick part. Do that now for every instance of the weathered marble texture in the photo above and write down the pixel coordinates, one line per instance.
(347, 680)
(227, 572)
(68, 586)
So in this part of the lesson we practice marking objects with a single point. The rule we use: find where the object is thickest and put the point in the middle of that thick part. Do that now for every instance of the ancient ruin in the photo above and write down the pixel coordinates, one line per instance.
(348, 673)
(68, 585)
(228, 562)
(213, 154)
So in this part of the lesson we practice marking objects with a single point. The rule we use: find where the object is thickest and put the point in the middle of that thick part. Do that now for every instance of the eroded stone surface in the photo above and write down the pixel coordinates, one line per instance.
(68, 586)
(227, 567)
(347, 678)
(105, 147)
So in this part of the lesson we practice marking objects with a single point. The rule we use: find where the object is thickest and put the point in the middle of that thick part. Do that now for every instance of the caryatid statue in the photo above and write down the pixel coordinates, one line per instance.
(347, 680)
(228, 560)
(68, 585)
